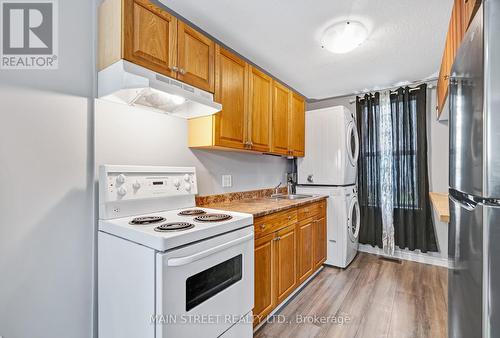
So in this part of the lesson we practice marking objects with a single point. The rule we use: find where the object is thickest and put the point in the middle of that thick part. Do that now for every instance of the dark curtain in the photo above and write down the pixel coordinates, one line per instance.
(413, 224)
(368, 113)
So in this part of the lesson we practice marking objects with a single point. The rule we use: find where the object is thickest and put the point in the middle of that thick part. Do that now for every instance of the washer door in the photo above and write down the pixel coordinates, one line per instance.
(352, 143)
(353, 221)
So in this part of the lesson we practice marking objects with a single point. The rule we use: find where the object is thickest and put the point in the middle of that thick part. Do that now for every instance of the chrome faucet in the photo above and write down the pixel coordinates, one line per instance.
(277, 189)
(290, 183)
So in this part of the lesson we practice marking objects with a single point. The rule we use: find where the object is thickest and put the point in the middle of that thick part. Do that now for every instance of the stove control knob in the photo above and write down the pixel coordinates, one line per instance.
(120, 179)
(121, 191)
(136, 185)
(177, 183)
(186, 178)
(187, 186)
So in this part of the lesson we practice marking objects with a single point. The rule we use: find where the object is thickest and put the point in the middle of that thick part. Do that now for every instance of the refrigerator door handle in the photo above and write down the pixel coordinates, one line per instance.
(463, 200)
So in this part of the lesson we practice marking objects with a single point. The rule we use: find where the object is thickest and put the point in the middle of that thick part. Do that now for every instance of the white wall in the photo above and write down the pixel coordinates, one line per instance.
(126, 135)
(438, 150)
(438, 157)
(46, 221)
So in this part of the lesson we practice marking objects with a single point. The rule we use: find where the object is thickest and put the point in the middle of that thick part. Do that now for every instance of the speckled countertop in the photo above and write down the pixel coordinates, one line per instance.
(261, 206)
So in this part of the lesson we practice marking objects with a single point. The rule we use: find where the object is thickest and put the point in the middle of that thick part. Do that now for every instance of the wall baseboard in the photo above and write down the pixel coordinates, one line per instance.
(407, 255)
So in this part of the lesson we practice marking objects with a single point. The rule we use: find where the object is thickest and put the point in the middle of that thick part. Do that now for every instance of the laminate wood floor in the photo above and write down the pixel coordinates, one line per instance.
(372, 298)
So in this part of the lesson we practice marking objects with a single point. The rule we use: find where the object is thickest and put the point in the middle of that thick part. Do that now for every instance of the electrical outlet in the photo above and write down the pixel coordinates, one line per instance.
(227, 181)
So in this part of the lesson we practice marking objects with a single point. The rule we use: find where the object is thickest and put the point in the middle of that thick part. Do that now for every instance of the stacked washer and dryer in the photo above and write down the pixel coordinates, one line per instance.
(330, 168)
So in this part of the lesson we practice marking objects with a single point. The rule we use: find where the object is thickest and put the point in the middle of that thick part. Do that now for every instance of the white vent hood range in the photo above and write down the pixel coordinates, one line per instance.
(128, 83)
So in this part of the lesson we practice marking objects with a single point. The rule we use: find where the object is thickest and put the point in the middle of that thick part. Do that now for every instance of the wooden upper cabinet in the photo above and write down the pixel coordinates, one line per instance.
(286, 277)
(470, 8)
(281, 111)
(145, 34)
(260, 110)
(196, 58)
(150, 36)
(297, 126)
(258, 113)
(461, 16)
(230, 90)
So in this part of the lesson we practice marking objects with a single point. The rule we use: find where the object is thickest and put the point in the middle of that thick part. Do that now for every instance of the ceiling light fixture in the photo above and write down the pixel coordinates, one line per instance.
(343, 37)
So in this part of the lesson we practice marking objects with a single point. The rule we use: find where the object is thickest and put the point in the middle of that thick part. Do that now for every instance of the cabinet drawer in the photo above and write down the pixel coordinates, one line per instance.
(311, 210)
(317, 209)
(322, 209)
(270, 223)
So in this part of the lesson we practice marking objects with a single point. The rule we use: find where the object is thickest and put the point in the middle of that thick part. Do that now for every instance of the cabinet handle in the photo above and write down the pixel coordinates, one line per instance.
(289, 218)
(262, 226)
(174, 69)
(182, 71)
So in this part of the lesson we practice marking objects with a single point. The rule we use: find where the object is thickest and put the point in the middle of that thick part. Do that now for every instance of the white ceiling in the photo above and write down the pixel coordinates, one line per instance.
(406, 39)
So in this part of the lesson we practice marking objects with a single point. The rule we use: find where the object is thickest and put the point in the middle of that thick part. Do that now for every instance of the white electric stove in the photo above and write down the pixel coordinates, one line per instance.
(165, 267)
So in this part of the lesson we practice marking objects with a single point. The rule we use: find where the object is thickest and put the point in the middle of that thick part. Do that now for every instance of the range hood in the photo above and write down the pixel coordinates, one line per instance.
(128, 83)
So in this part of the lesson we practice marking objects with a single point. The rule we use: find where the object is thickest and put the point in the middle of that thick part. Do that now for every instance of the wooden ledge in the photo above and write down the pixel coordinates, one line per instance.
(441, 205)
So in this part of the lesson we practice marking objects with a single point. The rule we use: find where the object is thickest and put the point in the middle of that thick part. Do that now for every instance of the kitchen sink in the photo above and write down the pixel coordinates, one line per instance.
(290, 197)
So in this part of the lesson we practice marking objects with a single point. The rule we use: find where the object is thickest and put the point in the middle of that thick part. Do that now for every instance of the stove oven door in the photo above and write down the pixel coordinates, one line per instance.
(203, 289)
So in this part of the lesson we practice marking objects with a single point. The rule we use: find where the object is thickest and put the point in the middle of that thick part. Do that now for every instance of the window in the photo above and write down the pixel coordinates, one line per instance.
(405, 151)
(405, 187)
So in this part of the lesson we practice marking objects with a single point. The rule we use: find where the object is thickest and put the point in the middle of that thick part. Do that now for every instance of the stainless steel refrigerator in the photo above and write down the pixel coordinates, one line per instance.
(474, 232)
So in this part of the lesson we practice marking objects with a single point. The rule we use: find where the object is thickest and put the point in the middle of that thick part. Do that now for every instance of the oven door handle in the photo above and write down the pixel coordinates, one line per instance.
(202, 254)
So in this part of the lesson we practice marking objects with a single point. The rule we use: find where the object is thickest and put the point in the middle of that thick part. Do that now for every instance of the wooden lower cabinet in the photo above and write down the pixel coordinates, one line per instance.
(286, 275)
(305, 245)
(264, 301)
(288, 249)
(319, 240)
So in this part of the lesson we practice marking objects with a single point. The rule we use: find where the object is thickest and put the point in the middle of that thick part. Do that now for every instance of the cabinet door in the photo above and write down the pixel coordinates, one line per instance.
(264, 277)
(297, 126)
(231, 91)
(260, 110)
(305, 231)
(150, 36)
(470, 8)
(459, 22)
(319, 240)
(285, 262)
(195, 58)
(281, 113)
(444, 73)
